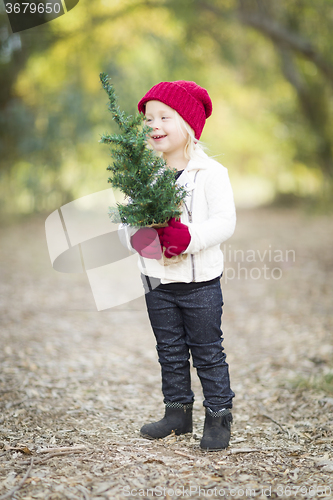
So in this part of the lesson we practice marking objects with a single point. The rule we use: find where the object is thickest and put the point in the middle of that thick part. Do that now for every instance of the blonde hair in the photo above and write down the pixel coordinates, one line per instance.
(194, 149)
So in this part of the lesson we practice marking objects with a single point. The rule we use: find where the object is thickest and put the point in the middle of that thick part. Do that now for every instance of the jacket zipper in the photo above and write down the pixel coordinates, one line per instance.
(192, 256)
(190, 220)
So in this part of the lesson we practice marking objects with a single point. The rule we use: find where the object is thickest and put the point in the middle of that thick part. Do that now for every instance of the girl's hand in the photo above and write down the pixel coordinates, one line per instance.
(146, 241)
(175, 238)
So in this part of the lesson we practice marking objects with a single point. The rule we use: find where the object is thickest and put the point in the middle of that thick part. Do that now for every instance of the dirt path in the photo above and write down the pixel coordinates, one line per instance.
(82, 382)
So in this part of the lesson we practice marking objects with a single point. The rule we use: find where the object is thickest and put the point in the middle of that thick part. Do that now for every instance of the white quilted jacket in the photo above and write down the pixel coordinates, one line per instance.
(209, 212)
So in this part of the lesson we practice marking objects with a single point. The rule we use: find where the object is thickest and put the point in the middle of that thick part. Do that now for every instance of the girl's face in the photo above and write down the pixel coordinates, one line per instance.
(168, 135)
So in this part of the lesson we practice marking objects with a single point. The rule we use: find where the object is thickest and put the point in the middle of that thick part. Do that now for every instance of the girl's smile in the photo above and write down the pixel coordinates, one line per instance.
(158, 137)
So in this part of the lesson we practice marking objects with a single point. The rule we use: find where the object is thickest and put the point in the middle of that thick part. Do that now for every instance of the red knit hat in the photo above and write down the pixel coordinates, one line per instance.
(190, 100)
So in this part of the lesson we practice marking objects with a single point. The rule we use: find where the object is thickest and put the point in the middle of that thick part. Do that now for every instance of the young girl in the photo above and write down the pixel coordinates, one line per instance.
(185, 308)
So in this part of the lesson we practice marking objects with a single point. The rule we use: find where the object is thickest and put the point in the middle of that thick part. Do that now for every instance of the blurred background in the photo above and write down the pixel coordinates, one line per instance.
(268, 67)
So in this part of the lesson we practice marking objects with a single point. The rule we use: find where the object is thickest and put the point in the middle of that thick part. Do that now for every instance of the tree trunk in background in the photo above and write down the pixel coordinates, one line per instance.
(314, 94)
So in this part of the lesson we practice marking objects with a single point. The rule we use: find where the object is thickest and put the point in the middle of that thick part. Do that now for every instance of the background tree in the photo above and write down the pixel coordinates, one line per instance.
(300, 32)
(267, 66)
(306, 62)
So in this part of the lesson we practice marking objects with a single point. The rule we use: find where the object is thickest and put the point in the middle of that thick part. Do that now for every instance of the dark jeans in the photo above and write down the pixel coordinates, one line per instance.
(184, 322)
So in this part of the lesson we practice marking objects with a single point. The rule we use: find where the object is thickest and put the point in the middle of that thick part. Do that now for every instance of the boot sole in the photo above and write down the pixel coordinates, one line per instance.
(146, 436)
(213, 449)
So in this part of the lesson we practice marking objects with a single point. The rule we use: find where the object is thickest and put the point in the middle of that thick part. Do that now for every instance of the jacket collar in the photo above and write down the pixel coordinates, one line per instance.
(186, 179)
(196, 165)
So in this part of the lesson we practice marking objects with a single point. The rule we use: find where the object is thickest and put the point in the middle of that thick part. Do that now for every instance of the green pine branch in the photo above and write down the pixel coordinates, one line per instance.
(148, 184)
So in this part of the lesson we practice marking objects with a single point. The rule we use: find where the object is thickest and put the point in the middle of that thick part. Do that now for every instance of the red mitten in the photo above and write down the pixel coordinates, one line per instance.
(146, 243)
(160, 231)
(176, 238)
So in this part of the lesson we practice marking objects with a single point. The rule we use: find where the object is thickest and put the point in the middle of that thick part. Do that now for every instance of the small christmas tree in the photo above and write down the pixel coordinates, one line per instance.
(150, 186)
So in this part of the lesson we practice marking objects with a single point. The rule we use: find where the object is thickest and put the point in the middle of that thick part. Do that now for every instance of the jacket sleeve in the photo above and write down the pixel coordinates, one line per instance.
(125, 233)
(221, 221)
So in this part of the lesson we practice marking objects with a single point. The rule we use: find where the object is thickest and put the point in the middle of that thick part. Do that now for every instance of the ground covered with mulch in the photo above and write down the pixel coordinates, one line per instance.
(76, 385)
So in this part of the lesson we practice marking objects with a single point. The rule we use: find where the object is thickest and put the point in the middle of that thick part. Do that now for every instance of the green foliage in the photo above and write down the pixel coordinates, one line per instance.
(267, 66)
(154, 197)
(321, 382)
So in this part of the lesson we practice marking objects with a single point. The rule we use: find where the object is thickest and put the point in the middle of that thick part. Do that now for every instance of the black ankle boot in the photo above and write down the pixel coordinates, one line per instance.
(177, 418)
(216, 435)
